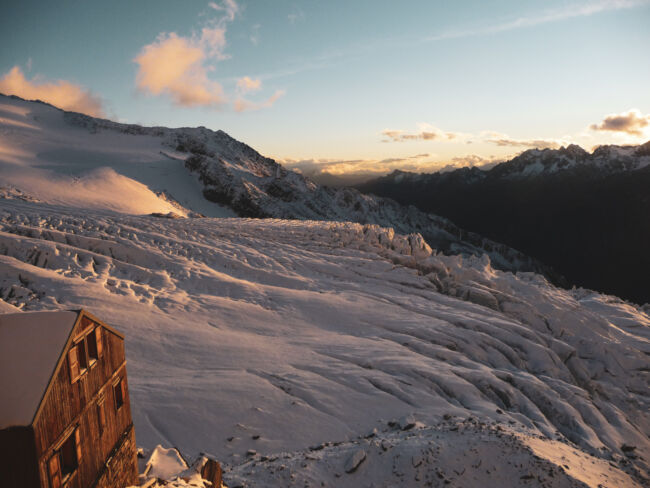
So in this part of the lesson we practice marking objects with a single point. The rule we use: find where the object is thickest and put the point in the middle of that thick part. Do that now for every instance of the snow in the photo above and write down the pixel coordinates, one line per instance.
(42, 154)
(466, 453)
(274, 335)
(165, 463)
(30, 347)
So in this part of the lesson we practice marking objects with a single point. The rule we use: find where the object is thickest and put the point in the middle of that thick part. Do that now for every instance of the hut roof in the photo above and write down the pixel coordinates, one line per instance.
(31, 344)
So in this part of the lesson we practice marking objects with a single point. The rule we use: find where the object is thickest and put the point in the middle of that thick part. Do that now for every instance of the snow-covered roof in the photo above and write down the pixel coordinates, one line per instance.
(30, 346)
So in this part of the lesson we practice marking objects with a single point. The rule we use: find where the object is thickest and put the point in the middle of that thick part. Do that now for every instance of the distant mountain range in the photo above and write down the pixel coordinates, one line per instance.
(587, 215)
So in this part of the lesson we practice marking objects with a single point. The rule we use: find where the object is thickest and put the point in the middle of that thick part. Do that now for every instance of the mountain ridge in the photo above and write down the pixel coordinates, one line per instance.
(585, 214)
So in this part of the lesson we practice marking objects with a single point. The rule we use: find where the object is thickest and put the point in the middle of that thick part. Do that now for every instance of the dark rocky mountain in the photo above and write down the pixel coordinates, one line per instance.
(587, 215)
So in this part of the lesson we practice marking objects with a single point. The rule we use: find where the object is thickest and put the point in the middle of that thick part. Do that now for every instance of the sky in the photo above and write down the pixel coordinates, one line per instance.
(346, 87)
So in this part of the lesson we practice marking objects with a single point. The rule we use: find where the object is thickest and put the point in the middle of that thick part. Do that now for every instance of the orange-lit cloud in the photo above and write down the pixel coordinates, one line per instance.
(246, 84)
(632, 122)
(60, 93)
(179, 67)
(531, 143)
(243, 105)
(426, 133)
(358, 170)
(175, 66)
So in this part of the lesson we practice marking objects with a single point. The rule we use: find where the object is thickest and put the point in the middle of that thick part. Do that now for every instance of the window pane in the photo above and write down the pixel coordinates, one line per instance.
(68, 456)
(81, 353)
(91, 342)
(117, 392)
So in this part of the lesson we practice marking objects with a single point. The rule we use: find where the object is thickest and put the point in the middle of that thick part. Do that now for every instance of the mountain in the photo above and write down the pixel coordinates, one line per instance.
(584, 214)
(98, 163)
(306, 352)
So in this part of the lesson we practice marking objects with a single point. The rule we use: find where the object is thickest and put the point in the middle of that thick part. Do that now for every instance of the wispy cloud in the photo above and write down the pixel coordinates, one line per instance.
(525, 143)
(246, 84)
(632, 122)
(295, 16)
(255, 34)
(539, 17)
(430, 133)
(426, 132)
(357, 170)
(542, 17)
(243, 105)
(60, 93)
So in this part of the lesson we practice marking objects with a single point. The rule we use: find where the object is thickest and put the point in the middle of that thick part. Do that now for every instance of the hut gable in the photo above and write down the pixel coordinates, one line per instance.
(65, 417)
(30, 347)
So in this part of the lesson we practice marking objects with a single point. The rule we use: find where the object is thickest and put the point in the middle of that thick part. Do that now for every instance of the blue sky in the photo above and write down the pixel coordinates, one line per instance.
(349, 84)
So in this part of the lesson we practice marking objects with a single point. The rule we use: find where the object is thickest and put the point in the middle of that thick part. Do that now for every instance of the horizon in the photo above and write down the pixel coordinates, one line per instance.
(330, 94)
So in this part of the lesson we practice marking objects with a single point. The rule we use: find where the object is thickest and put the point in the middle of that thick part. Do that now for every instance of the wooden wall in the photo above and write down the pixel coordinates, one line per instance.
(18, 462)
(121, 471)
(70, 404)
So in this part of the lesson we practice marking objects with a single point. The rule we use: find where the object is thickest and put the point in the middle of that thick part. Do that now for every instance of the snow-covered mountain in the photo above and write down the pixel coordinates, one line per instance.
(566, 207)
(604, 160)
(134, 169)
(278, 346)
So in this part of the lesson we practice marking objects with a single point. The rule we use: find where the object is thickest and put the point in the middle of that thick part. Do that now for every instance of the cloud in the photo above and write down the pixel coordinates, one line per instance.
(246, 84)
(243, 105)
(296, 16)
(357, 170)
(544, 17)
(175, 66)
(631, 122)
(178, 66)
(337, 172)
(426, 133)
(255, 34)
(60, 93)
(532, 143)
(229, 8)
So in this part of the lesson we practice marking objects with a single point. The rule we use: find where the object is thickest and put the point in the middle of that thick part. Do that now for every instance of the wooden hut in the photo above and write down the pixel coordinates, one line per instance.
(65, 415)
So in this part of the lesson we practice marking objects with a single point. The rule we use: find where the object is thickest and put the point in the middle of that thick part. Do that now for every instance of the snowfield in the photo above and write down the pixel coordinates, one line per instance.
(278, 346)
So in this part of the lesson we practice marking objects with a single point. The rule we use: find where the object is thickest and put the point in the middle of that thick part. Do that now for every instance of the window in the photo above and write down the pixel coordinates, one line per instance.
(118, 393)
(83, 359)
(85, 352)
(65, 460)
(101, 416)
(68, 456)
(91, 343)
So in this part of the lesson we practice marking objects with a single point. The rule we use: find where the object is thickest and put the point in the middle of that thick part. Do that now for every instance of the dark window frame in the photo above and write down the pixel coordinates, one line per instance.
(65, 460)
(119, 395)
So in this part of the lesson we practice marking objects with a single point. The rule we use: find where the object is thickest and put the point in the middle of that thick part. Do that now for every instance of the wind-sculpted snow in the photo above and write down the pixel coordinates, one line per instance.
(303, 332)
